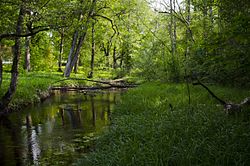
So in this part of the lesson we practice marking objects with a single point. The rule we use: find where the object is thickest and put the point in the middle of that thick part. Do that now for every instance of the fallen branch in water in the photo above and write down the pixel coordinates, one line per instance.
(228, 107)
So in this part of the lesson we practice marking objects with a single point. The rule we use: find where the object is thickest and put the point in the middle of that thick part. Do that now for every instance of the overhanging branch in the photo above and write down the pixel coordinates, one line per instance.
(13, 35)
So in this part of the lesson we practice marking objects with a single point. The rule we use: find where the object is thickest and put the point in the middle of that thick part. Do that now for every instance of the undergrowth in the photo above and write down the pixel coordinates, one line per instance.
(154, 125)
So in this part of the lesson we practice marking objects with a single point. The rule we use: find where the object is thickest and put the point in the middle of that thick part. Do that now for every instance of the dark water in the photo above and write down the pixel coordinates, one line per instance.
(57, 131)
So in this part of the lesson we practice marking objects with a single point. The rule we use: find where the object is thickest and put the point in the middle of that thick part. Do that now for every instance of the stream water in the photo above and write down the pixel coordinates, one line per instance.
(57, 131)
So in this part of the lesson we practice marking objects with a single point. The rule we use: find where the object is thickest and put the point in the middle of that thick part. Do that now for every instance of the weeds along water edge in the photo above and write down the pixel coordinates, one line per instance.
(154, 125)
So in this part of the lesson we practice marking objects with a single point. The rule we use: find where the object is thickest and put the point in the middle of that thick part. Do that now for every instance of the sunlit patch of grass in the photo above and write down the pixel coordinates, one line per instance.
(29, 87)
(146, 130)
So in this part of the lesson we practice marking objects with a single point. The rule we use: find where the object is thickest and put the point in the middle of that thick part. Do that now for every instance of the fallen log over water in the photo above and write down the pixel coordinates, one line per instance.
(109, 84)
(64, 88)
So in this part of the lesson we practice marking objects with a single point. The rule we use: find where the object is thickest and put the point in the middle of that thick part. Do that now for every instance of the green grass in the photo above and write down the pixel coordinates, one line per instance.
(146, 131)
(33, 85)
(30, 87)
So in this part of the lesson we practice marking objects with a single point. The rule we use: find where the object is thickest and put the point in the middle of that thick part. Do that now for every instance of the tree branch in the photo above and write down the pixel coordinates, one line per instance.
(228, 107)
(204, 86)
(114, 27)
(10, 36)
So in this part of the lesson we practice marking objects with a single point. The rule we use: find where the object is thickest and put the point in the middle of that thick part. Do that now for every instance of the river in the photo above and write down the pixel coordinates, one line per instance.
(57, 131)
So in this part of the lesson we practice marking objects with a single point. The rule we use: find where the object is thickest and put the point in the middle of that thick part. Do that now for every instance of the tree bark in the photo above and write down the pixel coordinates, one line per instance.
(61, 51)
(75, 36)
(114, 58)
(16, 56)
(76, 65)
(27, 53)
(172, 33)
(90, 75)
(76, 54)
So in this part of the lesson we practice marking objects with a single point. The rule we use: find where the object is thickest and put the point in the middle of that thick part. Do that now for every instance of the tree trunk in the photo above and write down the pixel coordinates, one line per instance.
(114, 58)
(75, 36)
(72, 60)
(27, 53)
(188, 37)
(1, 70)
(172, 33)
(205, 29)
(76, 65)
(61, 51)
(76, 55)
(122, 58)
(16, 56)
(90, 75)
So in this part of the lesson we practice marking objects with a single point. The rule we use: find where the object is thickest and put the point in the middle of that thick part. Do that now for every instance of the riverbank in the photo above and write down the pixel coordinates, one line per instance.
(35, 87)
(154, 125)
(31, 89)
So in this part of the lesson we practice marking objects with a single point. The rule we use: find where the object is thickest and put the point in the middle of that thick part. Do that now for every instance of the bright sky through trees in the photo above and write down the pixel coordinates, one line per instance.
(161, 4)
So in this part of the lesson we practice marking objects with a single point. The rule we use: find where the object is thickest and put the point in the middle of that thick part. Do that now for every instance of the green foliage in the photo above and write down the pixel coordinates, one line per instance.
(145, 130)
(42, 51)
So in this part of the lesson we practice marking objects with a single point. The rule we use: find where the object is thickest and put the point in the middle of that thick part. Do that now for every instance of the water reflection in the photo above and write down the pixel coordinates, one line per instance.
(46, 134)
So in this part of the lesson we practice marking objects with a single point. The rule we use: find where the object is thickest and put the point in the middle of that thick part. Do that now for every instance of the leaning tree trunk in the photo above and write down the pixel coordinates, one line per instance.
(77, 65)
(16, 56)
(27, 53)
(72, 60)
(75, 36)
(90, 75)
(76, 55)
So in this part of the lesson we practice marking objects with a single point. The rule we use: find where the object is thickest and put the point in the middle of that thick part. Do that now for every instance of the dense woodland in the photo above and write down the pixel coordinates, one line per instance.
(164, 40)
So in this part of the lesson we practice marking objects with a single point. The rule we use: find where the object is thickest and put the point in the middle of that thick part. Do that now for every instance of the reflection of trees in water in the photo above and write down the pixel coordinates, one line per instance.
(61, 111)
(32, 140)
(109, 111)
(93, 110)
(20, 136)
(12, 132)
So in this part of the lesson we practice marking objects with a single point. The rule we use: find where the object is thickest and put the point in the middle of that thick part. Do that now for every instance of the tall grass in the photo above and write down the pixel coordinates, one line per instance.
(146, 130)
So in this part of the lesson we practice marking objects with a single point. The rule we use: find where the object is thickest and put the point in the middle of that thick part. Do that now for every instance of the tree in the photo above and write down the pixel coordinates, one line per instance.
(92, 51)
(75, 49)
(27, 53)
(16, 56)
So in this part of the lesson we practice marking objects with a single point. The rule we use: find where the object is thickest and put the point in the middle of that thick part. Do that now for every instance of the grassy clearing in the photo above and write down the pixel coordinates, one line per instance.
(146, 131)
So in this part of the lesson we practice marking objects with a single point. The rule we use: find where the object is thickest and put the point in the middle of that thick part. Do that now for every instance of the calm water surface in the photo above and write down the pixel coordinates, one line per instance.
(57, 131)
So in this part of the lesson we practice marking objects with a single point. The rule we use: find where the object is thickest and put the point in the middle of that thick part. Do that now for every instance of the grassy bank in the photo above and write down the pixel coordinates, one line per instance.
(34, 86)
(145, 129)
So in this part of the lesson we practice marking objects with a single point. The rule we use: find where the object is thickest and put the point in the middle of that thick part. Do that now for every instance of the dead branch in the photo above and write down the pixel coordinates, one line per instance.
(228, 107)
